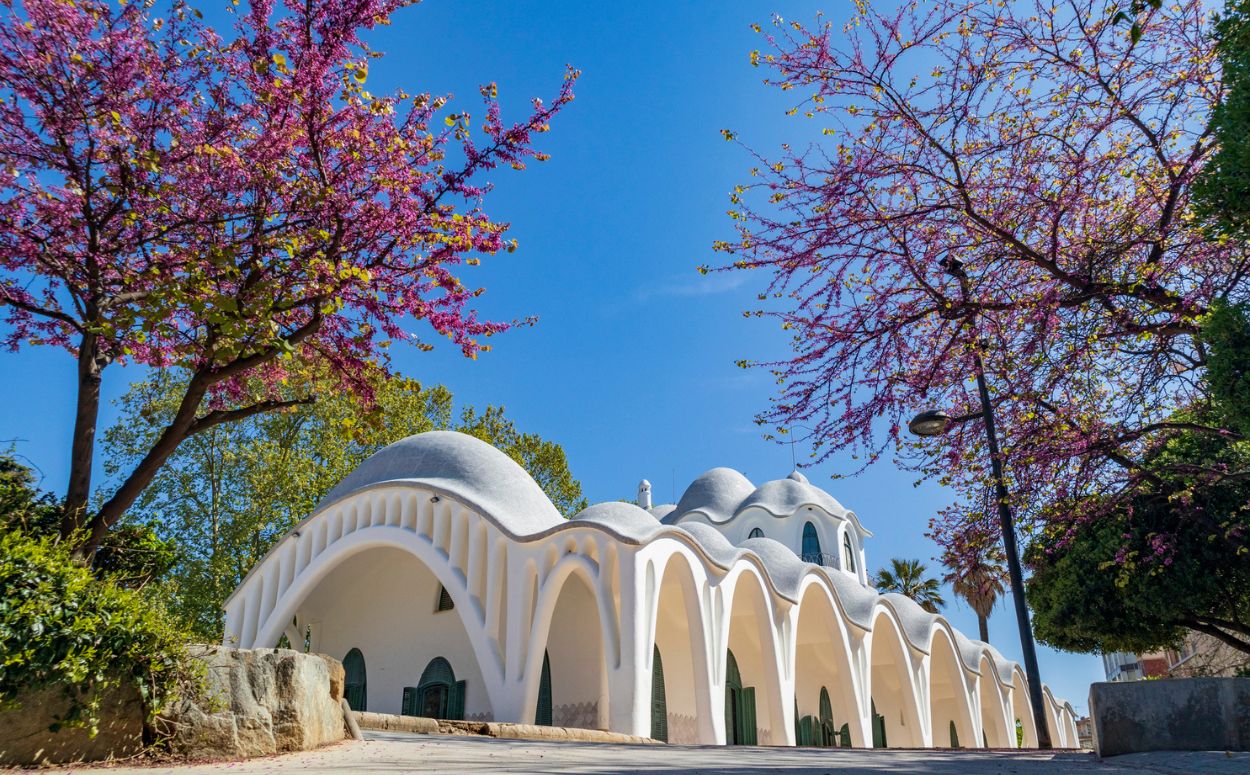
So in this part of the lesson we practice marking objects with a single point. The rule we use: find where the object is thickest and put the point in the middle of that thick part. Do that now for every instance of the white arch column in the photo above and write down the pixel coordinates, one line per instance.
(861, 724)
(629, 680)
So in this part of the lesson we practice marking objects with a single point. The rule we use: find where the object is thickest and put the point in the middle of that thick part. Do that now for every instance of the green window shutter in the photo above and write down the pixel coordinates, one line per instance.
(845, 736)
(755, 533)
(985, 740)
(455, 701)
(542, 713)
(445, 603)
(354, 680)
(954, 736)
(746, 716)
(826, 707)
(409, 705)
(659, 703)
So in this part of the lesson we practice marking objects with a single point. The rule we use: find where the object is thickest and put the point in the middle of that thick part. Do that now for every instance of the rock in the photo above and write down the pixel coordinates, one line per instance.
(25, 737)
(257, 703)
(337, 676)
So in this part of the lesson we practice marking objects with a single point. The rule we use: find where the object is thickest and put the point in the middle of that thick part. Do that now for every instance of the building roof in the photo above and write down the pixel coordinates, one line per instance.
(462, 465)
(721, 494)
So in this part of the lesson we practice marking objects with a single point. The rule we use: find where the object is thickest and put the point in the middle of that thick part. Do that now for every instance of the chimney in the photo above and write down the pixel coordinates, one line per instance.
(644, 494)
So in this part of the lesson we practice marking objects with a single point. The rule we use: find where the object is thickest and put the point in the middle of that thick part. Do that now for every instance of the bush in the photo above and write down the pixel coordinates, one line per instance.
(61, 625)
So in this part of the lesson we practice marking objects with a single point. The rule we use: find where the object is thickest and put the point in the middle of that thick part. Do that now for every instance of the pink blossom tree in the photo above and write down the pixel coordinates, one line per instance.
(243, 209)
(1053, 154)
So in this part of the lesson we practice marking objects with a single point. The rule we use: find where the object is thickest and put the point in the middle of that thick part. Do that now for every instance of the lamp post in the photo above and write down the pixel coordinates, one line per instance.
(934, 422)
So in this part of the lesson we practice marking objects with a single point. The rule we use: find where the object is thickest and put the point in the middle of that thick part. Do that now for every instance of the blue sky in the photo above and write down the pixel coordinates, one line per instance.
(631, 366)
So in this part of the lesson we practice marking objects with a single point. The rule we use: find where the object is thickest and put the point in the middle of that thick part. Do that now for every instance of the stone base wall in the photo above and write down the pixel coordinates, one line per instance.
(427, 726)
(579, 715)
(683, 729)
(1174, 714)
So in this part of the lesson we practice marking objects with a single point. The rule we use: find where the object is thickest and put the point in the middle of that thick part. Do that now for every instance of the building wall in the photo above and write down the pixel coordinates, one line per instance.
(365, 573)
(382, 601)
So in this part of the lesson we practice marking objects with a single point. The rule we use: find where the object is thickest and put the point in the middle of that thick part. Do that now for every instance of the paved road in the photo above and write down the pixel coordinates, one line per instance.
(387, 752)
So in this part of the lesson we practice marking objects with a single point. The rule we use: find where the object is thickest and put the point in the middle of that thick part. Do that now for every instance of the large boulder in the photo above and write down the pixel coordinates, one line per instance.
(257, 703)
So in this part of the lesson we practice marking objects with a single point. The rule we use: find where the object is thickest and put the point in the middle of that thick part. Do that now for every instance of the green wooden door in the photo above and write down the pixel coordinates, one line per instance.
(826, 720)
(878, 728)
(844, 736)
(439, 694)
(746, 716)
(409, 705)
(542, 713)
(659, 705)
(355, 687)
(808, 731)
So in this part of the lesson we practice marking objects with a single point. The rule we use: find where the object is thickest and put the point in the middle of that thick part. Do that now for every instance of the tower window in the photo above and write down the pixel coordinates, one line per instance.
(445, 603)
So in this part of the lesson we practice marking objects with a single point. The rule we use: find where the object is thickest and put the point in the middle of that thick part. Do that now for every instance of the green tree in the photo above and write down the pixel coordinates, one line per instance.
(232, 490)
(1138, 578)
(907, 577)
(1222, 191)
(131, 556)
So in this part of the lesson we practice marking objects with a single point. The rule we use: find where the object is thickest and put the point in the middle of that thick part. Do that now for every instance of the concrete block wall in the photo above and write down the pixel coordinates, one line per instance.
(1176, 714)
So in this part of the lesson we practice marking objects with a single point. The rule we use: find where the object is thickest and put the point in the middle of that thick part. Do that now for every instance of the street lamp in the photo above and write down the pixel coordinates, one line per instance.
(934, 422)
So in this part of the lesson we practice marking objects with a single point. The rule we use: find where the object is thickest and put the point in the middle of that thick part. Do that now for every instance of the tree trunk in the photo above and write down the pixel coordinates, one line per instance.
(983, 625)
(178, 429)
(82, 446)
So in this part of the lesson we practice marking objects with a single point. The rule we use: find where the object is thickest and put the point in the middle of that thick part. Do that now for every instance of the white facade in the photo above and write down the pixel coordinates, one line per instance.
(440, 546)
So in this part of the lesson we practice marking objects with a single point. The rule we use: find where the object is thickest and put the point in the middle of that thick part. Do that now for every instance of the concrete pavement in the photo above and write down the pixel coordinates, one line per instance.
(396, 752)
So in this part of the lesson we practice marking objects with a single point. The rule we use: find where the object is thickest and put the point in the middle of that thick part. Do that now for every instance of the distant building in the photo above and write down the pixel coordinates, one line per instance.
(1085, 732)
(1199, 655)
(1122, 666)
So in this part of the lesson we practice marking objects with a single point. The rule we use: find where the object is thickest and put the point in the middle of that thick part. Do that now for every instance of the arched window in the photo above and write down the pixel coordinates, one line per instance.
(849, 552)
(445, 603)
(828, 734)
(755, 533)
(542, 711)
(659, 704)
(439, 695)
(354, 684)
(811, 545)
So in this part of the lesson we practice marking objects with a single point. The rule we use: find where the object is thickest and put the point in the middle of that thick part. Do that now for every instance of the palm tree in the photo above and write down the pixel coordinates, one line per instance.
(979, 581)
(907, 577)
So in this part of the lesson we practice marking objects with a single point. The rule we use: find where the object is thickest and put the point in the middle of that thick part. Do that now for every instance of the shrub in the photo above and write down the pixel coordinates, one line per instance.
(61, 625)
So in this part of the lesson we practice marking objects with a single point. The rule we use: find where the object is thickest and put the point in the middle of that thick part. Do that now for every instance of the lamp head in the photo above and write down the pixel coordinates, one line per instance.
(931, 422)
(953, 266)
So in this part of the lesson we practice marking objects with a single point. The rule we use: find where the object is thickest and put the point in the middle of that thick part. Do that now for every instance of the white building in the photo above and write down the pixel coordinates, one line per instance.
(449, 584)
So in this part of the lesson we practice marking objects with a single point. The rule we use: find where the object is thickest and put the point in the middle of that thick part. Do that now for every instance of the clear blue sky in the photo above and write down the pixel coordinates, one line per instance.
(631, 366)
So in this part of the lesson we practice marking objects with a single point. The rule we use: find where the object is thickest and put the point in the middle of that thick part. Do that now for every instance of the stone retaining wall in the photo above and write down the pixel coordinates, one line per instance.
(25, 736)
(1175, 714)
(255, 703)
